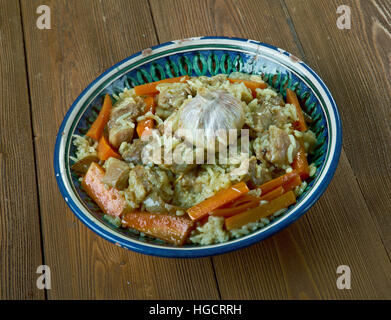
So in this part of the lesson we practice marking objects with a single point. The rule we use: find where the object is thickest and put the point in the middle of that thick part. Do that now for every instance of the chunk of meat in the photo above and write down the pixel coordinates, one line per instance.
(117, 174)
(122, 122)
(282, 147)
(132, 152)
(139, 183)
(155, 204)
(171, 96)
(261, 120)
(257, 173)
(143, 181)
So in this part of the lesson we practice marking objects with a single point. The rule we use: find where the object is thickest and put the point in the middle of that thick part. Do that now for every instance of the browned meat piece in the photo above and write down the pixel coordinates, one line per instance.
(154, 203)
(145, 180)
(117, 174)
(139, 177)
(258, 174)
(122, 122)
(171, 97)
(281, 148)
(132, 152)
(81, 166)
(262, 119)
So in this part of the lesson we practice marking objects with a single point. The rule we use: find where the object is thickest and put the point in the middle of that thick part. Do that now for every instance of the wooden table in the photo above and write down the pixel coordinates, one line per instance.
(43, 71)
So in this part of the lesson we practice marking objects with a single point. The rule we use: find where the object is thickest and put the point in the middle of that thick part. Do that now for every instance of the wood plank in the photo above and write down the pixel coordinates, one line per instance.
(301, 261)
(355, 64)
(20, 239)
(86, 38)
(222, 17)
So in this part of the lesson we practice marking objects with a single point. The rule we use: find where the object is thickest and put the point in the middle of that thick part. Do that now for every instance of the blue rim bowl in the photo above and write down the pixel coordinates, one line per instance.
(201, 56)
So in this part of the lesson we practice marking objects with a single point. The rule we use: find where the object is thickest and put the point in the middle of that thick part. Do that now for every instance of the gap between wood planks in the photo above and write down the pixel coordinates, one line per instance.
(33, 136)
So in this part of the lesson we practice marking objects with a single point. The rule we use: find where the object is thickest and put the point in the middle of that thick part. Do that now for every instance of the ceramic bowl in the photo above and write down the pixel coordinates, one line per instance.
(201, 56)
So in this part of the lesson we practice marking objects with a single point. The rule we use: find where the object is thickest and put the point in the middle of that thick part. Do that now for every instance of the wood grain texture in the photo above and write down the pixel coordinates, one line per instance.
(301, 261)
(86, 38)
(356, 65)
(20, 240)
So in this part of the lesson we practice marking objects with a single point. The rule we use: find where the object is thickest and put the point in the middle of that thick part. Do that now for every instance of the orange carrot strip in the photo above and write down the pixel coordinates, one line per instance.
(229, 212)
(248, 201)
(265, 210)
(222, 197)
(96, 130)
(243, 199)
(105, 150)
(277, 182)
(109, 200)
(291, 184)
(239, 205)
(147, 124)
(300, 164)
(168, 227)
(275, 193)
(291, 98)
(251, 85)
(150, 88)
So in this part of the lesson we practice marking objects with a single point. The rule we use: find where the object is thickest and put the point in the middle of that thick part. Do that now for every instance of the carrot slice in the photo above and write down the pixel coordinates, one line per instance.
(265, 210)
(150, 88)
(109, 200)
(168, 227)
(105, 150)
(239, 205)
(277, 182)
(145, 125)
(300, 164)
(253, 85)
(291, 184)
(241, 200)
(229, 212)
(275, 193)
(96, 130)
(222, 197)
(291, 98)
(249, 201)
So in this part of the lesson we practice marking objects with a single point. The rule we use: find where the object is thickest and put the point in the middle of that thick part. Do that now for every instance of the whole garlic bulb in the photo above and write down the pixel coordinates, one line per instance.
(215, 112)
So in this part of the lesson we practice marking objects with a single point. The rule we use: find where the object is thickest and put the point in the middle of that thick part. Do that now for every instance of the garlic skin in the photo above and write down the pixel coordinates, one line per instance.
(210, 118)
